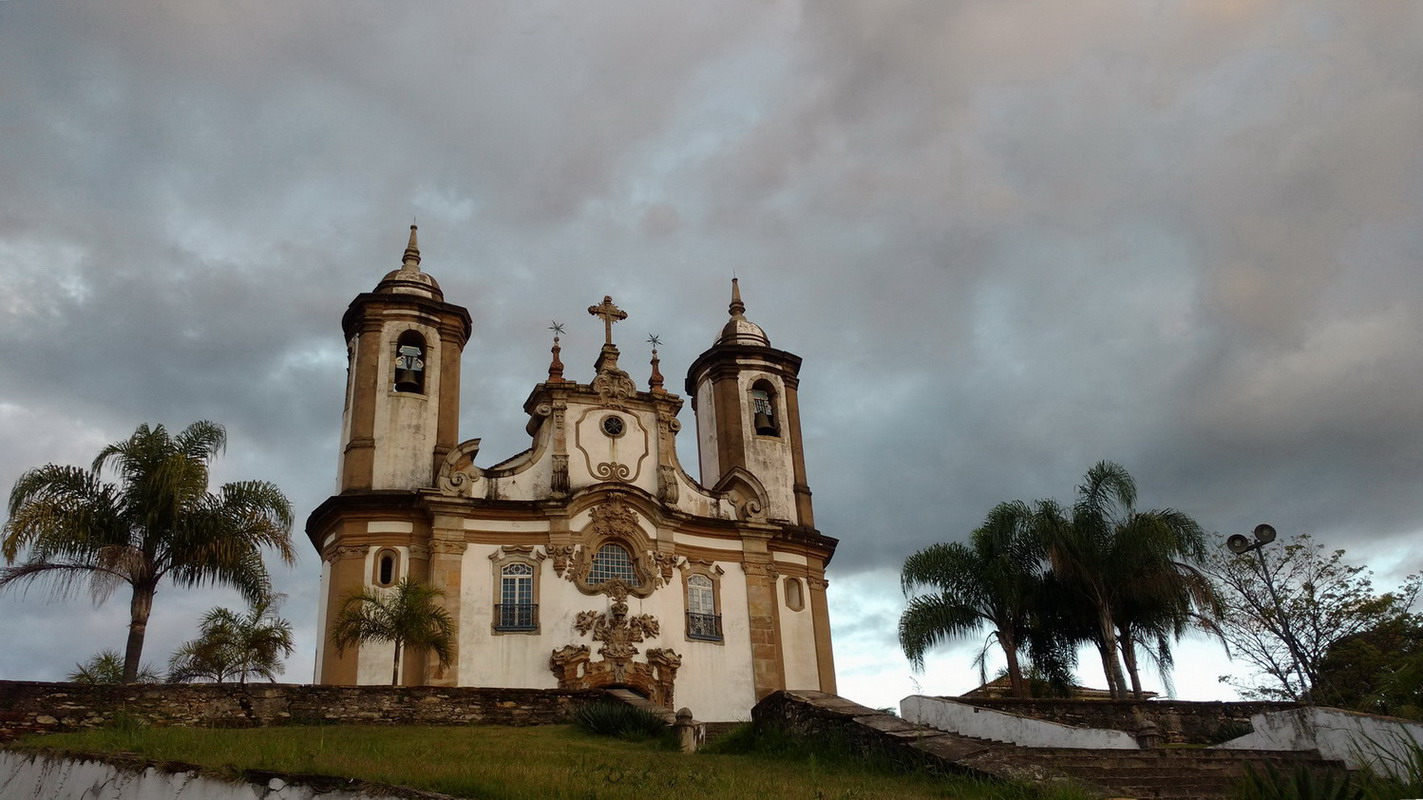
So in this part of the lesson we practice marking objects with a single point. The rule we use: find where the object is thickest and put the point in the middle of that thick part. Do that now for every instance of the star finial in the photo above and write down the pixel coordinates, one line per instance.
(557, 328)
(555, 365)
(654, 340)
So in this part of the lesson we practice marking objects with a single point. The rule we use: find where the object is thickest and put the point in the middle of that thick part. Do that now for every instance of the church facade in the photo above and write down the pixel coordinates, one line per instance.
(592, 559)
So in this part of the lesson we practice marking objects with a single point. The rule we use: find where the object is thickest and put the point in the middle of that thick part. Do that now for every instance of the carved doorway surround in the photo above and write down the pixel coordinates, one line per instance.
(654, 678)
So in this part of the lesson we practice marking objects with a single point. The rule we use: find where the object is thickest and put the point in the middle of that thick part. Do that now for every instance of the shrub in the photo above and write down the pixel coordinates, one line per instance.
(608, 718)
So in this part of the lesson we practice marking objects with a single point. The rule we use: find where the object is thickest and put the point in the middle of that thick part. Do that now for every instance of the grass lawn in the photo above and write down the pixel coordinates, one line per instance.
(535, 763)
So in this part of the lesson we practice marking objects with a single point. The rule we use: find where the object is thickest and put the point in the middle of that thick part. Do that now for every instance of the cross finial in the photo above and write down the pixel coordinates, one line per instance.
(610, 314)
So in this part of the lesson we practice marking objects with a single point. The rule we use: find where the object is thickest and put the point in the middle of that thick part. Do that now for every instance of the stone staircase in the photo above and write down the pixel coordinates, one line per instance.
(1174, 772)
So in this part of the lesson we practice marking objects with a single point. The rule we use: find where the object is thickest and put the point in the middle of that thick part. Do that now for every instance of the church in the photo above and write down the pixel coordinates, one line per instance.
(592, 559)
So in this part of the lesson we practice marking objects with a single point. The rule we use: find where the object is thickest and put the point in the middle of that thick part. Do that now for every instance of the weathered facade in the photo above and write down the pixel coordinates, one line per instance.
(591, 559)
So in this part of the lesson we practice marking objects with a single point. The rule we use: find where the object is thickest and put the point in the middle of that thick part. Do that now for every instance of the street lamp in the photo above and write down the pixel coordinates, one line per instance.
(1240, 545)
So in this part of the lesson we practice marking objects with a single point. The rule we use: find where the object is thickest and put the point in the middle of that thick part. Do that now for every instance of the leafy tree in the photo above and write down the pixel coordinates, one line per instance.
(995, 580)
(407, 615)
(158, 522)
(107, 667)
(1136, 570)
(1318, 600)
(235, 646)
(1376, 670)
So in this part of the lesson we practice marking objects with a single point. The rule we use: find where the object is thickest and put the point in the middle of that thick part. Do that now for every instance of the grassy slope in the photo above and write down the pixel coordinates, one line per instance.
(544, 762)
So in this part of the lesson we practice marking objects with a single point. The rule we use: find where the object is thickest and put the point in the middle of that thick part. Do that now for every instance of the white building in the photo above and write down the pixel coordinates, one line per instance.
(591, 559)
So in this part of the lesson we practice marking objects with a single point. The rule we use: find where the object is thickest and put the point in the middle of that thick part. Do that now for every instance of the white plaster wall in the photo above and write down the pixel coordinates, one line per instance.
(947, 715)
(373, 662)
(588, 446)
(769, 457)
(42, 777)
(352, 358)
(406, 423)
(321, 606)
(706, 435)
(798, 639)
(1362, 741)
(715, 680)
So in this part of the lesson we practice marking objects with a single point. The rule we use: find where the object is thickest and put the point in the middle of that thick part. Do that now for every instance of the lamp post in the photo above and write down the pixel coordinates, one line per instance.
(1239, 545)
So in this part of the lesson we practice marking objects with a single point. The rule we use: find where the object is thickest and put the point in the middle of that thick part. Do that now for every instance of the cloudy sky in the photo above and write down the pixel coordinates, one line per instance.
(1009, 239)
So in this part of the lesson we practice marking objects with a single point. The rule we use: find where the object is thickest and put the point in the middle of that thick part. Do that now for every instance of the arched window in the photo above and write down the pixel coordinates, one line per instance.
(795, 595)
(387, 568)
(612, 561)
(516, 610)
(410, 363)
(702, 620)
(763, 409)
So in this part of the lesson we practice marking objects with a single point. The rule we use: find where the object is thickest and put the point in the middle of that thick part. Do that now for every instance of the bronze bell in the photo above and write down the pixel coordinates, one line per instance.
(409, 369)
(765, 426)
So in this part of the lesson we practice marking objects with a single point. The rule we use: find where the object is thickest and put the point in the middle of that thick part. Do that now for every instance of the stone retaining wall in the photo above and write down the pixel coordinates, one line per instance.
(1180, 722)
(27, 706)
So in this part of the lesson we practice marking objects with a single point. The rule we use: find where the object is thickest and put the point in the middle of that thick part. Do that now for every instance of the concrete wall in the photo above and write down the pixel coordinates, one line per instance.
(983, 723)
(27, 707)
(42, 777)
(1363, 741)
(1180, 722)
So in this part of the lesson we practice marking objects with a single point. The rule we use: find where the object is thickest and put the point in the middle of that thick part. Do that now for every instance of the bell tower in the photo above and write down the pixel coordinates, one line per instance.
(403, 347)
(748, 416)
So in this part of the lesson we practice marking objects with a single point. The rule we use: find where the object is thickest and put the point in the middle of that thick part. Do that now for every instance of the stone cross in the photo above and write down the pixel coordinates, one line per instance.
(610, 314)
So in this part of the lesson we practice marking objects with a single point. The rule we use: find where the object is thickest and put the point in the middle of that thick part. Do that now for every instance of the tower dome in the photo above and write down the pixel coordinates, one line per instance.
(739, 329)
(408, 279)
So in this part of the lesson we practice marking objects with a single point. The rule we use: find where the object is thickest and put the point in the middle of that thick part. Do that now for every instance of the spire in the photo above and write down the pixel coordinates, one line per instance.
(412, 251)
(739, 329)
(555, 367)
(655, 382)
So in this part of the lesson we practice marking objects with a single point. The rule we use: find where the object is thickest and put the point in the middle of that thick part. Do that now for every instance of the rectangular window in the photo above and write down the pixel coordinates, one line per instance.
(516, 610)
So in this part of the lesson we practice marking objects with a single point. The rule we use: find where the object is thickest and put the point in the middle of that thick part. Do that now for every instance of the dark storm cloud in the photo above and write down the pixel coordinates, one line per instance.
(1008, 238)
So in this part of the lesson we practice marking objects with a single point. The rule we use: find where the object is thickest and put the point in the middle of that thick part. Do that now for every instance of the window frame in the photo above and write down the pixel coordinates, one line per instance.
(712, 573)
(503, 558)
(396, 566)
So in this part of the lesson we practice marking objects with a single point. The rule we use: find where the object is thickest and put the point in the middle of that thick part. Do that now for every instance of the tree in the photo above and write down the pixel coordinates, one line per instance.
(405, 615)
(1376, 670)
(1134, 569)
(158, 522)
(107, 667)
(1305, 594)
(995, 581)
(235, 646)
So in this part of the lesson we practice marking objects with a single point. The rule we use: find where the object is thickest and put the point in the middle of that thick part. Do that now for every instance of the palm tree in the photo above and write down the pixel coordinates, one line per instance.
(1134, 568)
(992, 581)
(159, 522)
(106, 667)
(233, 645)
(405, 615)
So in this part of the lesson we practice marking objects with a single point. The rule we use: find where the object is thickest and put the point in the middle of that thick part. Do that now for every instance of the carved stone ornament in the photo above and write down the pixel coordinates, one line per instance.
(458, 474)
(526, 550)
(562, 555)
(615, 522)
(620, 634)
(666, 563)
(348, 552)
(612, 471)
(760, 569)
(751, 511)
(446, 547)
(614, 387)
(818, 583)
(419, 551)
(559, 484)
(667, 490)
(689, 565)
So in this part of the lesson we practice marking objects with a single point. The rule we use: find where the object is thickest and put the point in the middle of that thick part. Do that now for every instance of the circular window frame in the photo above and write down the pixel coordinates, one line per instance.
(613, 421)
